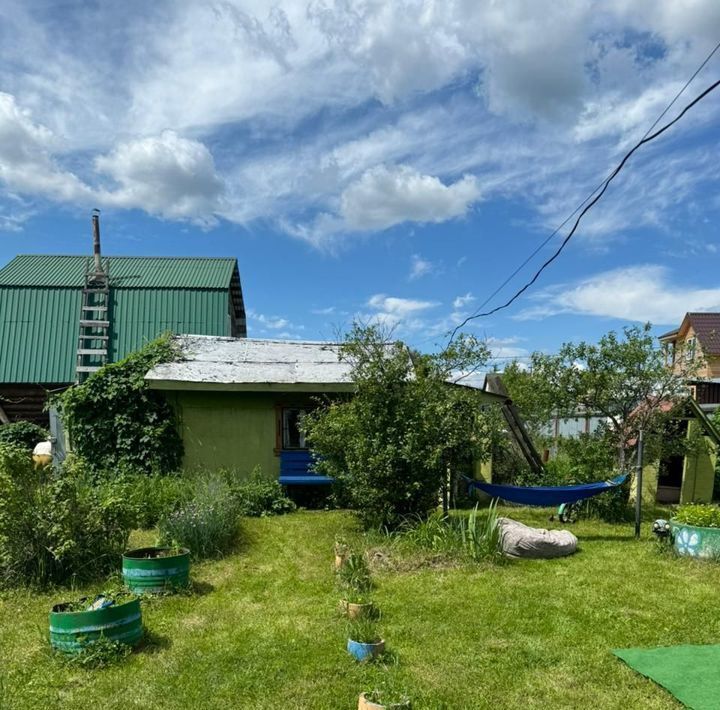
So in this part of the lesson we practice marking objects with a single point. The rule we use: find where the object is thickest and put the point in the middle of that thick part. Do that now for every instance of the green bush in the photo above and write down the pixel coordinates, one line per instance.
(702, 516)
(22, 434)
(208, 524)
(58, 527)
(260, 496)
(391, 446)
(115, 421)
(154, 496)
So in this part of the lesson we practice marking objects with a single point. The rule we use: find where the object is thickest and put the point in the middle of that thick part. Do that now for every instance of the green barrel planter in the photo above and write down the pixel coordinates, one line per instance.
(153, 570)
(694, 541)
(71, 631)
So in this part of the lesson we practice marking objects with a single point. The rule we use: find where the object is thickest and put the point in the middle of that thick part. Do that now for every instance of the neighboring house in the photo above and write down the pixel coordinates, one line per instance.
(239, 401)
(44, 299)
(698, 340)
(689, 478)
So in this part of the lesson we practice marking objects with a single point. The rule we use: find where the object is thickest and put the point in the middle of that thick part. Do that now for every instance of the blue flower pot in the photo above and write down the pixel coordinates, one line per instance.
(365, 651)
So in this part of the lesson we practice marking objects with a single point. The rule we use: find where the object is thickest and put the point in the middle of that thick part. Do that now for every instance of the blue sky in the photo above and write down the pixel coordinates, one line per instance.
(383, 161)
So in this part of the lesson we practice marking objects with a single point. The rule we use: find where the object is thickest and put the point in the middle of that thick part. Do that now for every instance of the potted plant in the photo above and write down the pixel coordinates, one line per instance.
(116, 617)
(153, 570)
(383, 700)
(364, 641)
(695, 530)
(357, 605)
(355, 585)
(342, 552)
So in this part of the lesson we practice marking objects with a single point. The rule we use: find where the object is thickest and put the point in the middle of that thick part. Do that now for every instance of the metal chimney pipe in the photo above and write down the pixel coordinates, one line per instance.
(96, 241)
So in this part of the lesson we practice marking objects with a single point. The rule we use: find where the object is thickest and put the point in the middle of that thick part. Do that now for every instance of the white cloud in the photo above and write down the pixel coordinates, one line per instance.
(560, 90)
(269, 322)
(165, 175)
(385, 196)
(391, 311)
(419, 267)
(463, 301)
(26, 163)
(641, 293)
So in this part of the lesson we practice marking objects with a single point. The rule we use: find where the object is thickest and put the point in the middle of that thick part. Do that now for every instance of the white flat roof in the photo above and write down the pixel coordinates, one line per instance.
(212, 362)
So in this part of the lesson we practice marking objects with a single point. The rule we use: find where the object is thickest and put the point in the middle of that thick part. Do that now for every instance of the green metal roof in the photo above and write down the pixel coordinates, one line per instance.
(40, 299)
(125, 271)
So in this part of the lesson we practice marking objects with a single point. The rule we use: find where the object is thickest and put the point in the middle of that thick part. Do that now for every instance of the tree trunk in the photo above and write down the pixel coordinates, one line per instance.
(621, 456)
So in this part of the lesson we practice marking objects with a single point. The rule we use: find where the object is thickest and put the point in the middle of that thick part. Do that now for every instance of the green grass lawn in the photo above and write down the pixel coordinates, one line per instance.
(263, 631)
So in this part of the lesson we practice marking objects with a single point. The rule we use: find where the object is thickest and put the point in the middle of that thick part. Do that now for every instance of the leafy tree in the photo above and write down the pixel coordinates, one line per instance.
(394, 446)
(116, 422)
(23, 434)
(625, 379)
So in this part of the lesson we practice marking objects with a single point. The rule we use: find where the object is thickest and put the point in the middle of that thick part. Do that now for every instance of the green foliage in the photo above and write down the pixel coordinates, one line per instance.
(115, 421)
(702, 516)
(363, 630)
(260, 496)
(154, 496)
(533, 395)
(98, 653)
(474, 535)
(58, 526)
(389, 697)
(480, 537)
(621, 378)
(208, 524)
(354, 579)
(22, 434)
(392, 446)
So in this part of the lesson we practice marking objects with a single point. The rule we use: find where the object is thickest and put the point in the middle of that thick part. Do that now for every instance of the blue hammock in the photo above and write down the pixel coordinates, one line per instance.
(546, 495)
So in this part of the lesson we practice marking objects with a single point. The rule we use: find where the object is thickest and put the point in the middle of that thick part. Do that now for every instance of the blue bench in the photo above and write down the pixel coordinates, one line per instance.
(295, 469)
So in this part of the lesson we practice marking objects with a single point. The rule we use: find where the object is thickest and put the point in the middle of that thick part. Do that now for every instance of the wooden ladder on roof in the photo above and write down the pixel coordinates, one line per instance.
(94, 325)
(94, 332)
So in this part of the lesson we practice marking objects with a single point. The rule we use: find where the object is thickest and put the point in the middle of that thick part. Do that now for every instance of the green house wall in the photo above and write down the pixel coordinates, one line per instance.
(229, 430)
(698, 474)
(238, 430)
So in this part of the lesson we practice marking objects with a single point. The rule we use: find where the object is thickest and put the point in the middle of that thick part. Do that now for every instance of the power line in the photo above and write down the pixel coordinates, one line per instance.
(602, 186)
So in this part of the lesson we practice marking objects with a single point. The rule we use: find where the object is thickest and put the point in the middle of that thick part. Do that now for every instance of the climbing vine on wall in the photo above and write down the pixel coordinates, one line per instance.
(116, 422)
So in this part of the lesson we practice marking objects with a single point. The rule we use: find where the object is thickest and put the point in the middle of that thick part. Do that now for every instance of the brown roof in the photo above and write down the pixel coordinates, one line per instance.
(707, 331)
(670, 335)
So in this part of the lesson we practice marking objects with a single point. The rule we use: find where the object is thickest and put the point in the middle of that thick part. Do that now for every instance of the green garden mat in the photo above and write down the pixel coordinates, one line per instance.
(690, 673)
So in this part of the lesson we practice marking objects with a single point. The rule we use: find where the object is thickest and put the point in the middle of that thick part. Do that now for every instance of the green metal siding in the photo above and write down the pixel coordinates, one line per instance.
(39, 326)
(140, 316)
(126, 272)
(38, 334)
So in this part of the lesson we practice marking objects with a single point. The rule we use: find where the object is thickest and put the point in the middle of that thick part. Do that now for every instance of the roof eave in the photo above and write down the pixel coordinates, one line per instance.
(182, 385)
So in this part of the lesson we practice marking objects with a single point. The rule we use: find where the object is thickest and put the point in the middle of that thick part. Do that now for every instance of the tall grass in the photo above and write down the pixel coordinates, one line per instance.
(208, 524)
(475, 535)
(480, 535)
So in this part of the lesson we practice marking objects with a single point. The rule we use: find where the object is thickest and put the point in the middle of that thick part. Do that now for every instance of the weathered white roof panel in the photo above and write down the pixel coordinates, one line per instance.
(219, 361)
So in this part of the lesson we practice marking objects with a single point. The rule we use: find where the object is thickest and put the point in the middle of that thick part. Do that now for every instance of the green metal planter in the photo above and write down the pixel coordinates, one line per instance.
(71, 631)
(154, 570)
(694, 541)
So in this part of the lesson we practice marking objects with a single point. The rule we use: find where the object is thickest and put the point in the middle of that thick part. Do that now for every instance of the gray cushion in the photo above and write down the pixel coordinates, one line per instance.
(518, 540)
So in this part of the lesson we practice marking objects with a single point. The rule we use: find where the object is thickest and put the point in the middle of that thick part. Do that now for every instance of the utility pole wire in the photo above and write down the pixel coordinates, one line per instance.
(586, 209)
(477, 314)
